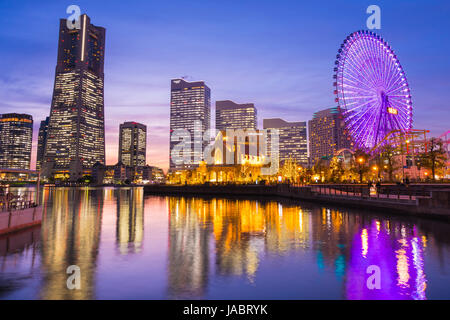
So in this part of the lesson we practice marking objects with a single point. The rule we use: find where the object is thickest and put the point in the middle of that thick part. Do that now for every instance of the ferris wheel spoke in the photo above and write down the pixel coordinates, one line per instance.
(371, 57)
(359, 107)
(395, 77)
(358, 70)
(356, 82)
(359, 83)
(361, 117)
(365, 120)
(358, 66)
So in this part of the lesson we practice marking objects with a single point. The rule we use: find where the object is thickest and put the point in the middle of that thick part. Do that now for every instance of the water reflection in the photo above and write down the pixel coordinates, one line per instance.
(72, 220)
(133, 246)
(18, 255)
(244, 232)
(130, 219)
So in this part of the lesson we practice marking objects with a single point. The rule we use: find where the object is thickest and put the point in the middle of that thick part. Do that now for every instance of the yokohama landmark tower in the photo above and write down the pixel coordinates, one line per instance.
(76, 133)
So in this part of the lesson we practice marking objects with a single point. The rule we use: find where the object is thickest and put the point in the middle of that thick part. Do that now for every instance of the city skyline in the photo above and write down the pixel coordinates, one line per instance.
(292, 82)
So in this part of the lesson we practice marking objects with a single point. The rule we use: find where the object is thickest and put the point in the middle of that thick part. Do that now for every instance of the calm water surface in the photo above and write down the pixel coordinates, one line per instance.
(131, 246)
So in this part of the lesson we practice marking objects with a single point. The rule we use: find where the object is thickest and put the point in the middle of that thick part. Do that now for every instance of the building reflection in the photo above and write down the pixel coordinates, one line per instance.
(189, 235)
(19, 242)
(130, 219)
(70, 236)
(18, 257)
(232, 237)
(239, 238)
(236, 233)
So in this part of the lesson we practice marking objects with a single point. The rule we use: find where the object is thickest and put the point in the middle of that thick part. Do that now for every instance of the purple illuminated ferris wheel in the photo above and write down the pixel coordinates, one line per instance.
(371, 89)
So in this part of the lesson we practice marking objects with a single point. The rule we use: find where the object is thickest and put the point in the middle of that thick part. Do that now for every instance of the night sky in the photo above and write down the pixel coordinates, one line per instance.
(277, 54)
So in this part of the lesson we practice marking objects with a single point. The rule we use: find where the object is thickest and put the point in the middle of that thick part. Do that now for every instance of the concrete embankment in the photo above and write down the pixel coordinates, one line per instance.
(436, 205)
(11, 221)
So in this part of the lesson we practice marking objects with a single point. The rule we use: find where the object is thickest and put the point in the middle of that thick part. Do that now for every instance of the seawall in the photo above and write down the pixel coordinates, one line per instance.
(435, 206)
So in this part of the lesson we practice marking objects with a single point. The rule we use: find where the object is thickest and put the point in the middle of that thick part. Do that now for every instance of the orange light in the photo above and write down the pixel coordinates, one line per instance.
(392, 110)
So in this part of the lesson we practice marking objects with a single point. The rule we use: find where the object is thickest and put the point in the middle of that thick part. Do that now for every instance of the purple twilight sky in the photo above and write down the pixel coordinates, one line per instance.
(276, 54)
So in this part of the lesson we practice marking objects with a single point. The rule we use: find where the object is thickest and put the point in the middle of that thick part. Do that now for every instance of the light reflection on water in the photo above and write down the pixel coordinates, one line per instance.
(132, 246)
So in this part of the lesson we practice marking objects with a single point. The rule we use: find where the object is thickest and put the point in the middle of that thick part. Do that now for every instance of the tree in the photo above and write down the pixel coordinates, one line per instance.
(289, 170)
(336, 169)
(320, 168)
(360, 165)
(387, 156)
(434, 158)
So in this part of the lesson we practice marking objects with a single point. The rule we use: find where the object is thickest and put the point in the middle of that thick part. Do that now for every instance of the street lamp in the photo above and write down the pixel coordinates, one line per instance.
(361, 161)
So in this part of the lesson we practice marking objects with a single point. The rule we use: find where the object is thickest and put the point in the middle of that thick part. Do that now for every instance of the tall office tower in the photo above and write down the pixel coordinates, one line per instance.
(133, 144)
(42, 140)
(230, 115)
(76, 133)
(293, 143)
(16, 135)
(327, 134)
(190, 108)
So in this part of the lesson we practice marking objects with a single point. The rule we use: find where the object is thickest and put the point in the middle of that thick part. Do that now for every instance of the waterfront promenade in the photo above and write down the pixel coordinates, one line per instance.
(431, 201)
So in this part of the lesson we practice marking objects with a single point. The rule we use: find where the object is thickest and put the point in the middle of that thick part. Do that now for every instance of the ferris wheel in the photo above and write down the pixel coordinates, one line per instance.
(371, 89)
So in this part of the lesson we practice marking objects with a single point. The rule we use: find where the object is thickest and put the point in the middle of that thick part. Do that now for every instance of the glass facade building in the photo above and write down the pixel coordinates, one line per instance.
(76, 133)
(16, 135)
(230, 115)
(327, 134)
(42, 140)
(293, 142)
(190, 109)
(133, 144)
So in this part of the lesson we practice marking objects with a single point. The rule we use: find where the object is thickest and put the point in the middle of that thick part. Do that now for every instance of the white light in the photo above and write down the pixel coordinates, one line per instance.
(84, 38)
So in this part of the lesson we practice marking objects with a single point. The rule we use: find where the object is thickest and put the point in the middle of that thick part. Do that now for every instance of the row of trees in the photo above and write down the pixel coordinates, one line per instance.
(361, 166)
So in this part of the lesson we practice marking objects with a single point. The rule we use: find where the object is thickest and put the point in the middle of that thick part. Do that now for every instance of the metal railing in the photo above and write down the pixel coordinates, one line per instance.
(383, 192)
(10, 201)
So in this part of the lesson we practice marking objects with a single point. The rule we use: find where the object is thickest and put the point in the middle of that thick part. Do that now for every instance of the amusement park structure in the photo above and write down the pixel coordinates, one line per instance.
(374, 98)
(371, 90)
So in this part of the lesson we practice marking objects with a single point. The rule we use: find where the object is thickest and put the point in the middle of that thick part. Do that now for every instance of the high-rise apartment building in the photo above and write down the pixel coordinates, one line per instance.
(16, 135)
(230, 115)
(190, 117)
(292, 140)
(42, 140)
(327, 134)
(133, 144)
(76, 133)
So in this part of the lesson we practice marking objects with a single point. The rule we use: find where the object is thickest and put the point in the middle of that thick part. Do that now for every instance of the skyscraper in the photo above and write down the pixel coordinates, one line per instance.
(133, 144)
(42, 140)
(76, 133)
(327, 134)
(293, 143)
(190, 108)
(16, 135)
(230, 115)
